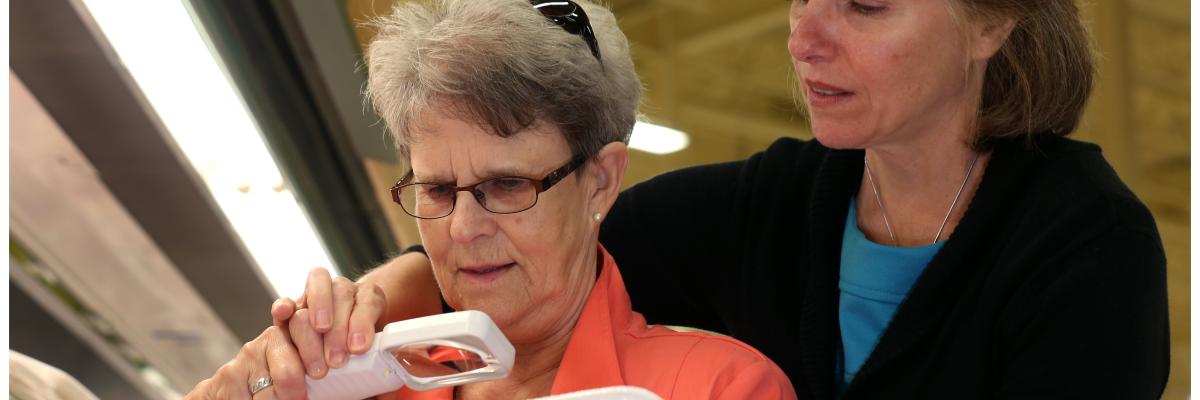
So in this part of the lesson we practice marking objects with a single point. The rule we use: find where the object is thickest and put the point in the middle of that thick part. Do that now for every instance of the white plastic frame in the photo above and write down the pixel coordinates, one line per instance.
(377, 372)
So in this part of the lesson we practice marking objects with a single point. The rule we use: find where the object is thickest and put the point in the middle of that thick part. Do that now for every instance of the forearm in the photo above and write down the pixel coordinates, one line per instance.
(409, 288)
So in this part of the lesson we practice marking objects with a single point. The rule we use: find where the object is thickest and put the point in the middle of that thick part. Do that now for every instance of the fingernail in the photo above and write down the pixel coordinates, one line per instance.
(314, 369)
(323, 319)
(337, 358)
(357, 342)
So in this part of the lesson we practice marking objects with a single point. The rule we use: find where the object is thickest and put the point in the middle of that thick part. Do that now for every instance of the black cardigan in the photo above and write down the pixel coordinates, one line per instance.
(1053, 285)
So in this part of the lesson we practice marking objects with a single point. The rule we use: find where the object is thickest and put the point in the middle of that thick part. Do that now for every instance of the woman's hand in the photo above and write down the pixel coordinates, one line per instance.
(270, 355)
(332, 320)
(332, 315)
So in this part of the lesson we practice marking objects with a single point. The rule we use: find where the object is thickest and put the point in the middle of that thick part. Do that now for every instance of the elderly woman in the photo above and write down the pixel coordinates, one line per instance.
(940, 239)
(513, 118)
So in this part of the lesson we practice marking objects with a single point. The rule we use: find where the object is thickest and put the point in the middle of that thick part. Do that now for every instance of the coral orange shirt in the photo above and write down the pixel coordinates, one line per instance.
(612, 346)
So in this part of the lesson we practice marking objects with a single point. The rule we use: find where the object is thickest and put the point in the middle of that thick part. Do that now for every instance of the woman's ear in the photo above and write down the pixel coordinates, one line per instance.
(989, 36)
(606, 171)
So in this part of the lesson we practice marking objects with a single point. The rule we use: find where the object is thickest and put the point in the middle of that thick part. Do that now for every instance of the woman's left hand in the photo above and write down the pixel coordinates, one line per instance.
(271, 355)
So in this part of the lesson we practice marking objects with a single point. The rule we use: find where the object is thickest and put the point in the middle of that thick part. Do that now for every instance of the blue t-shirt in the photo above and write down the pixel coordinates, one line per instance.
(874, 279)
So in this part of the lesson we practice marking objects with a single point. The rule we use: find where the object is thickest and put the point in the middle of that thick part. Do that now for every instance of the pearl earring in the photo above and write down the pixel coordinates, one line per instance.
(596, 216)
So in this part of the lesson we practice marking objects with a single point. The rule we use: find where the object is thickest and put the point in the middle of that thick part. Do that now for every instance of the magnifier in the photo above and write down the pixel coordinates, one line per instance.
(423, 353)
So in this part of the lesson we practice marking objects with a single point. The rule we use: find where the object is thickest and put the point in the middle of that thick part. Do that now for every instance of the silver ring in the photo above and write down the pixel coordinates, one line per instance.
(260, 384)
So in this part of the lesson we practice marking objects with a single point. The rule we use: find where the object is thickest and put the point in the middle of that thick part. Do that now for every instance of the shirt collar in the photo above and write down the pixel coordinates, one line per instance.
(590, 360)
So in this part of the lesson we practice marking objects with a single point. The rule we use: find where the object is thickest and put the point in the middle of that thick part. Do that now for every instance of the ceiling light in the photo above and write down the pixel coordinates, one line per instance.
(657, 139)
(165, 52)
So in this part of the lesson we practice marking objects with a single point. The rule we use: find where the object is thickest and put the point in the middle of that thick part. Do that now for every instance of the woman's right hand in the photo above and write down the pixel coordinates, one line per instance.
(336, 318)
(333, 319)
(269, 356)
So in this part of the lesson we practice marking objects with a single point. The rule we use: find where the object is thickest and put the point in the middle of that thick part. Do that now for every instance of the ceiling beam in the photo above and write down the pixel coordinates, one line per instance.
(733, 32)
(758, 129)
(60, 55)
(71, 226)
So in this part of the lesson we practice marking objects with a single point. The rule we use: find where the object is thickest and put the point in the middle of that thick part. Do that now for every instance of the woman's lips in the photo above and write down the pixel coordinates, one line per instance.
(485, 273)
(820, 94)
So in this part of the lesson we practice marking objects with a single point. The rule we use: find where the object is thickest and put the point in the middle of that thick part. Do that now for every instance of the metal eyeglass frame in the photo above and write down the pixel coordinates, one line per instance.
(539, 185)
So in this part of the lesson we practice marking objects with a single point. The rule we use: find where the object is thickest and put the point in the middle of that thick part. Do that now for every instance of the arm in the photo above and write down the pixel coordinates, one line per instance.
(671, 237)
(682, 238)
(1096, 330)
(409, 288)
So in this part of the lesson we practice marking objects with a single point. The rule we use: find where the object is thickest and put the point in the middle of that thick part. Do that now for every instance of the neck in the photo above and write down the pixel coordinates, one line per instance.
(917, 183)
(537, 359)
(532, 375)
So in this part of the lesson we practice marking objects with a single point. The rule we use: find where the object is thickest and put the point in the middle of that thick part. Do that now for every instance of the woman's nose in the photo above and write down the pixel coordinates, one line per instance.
(469, 220)
(810, 40)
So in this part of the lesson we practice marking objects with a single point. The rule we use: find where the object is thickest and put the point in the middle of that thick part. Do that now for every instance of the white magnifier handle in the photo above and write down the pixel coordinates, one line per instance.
(363, 376)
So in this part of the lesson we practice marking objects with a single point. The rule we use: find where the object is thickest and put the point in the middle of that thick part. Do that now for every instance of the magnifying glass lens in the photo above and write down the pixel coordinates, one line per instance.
(431, 361)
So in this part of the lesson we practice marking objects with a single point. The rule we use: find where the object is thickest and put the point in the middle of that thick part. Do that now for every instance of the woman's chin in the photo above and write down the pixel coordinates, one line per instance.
(841, 139)
(496, 310)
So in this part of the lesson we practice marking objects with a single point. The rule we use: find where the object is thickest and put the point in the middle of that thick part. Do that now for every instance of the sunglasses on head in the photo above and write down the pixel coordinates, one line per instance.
(571, 17)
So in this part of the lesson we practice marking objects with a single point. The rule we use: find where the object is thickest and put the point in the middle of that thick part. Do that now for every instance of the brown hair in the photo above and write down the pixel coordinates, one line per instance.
(1041, 78)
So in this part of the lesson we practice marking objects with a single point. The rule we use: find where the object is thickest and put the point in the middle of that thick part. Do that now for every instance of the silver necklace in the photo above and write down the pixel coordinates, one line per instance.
(883, 211)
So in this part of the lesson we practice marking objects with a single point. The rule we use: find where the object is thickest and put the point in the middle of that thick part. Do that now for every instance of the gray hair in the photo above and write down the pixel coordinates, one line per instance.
(503, 66)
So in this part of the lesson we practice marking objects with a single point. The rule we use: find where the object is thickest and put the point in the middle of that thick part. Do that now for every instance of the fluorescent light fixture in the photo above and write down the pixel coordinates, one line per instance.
(164, 50)
(657, 139)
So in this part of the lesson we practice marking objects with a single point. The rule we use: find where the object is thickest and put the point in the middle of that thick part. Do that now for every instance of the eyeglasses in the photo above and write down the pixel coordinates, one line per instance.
(570, 16)
(503, 195)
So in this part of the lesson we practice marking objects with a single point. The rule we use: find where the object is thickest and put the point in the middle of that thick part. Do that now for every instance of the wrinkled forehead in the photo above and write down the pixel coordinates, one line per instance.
(449, 125)
(445, 146)
(497, 119)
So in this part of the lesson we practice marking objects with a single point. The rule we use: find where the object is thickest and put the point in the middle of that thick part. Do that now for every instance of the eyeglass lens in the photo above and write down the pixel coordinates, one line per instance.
(501, 195)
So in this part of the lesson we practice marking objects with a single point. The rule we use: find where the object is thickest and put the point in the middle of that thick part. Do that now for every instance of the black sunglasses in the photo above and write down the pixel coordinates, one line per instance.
(570, 16)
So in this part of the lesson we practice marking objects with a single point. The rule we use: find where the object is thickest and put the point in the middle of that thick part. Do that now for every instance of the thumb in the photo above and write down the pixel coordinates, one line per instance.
(282, 311)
